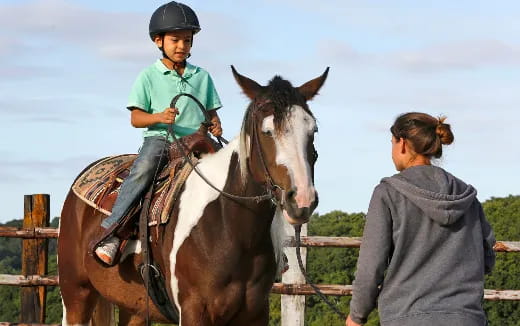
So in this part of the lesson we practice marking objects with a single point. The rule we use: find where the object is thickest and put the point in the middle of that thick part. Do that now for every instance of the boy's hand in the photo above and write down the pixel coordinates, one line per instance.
(216, 128)
(167, 116)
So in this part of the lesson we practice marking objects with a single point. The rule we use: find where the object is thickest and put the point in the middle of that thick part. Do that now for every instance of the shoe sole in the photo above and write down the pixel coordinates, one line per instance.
(104, 258)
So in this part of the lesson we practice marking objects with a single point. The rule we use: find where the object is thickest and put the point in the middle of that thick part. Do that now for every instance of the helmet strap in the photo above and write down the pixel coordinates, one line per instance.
(176, 65)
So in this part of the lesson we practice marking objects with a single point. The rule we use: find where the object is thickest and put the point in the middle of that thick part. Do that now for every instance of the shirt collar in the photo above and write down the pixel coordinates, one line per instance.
(189, 70)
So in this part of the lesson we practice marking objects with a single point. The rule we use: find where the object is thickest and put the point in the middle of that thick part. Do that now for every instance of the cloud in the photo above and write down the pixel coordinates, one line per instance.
(8, 177)
(41, 168)
(65, 24)
(459, 55)
(9, 46)
(340, 52)
(15, 72)
(445, 57)
(45, 109)
(110, 35)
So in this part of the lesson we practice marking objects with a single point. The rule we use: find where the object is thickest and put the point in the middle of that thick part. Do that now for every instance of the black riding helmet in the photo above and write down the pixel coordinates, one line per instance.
(171, 17)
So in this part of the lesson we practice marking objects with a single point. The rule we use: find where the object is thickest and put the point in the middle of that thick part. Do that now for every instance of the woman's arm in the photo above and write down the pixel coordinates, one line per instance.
(489, 242)
(373, 256)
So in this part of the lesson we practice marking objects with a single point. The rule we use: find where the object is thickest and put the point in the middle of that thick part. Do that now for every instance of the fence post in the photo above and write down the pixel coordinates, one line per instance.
(293, 306)
(34, 259)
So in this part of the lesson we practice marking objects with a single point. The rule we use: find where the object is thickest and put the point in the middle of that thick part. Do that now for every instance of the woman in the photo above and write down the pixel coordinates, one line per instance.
(426, 243)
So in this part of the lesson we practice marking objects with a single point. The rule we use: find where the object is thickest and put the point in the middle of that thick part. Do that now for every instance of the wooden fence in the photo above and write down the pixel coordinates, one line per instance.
(34, 278)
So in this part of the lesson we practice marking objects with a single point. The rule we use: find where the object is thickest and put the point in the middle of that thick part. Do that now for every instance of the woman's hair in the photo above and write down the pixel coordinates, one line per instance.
(424, 133)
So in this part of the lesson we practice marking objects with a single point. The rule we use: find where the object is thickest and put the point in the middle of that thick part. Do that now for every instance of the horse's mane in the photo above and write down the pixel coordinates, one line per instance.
(279, 96)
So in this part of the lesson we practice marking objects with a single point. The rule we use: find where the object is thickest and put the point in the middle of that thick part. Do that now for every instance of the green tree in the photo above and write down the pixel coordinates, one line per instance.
(504, 216)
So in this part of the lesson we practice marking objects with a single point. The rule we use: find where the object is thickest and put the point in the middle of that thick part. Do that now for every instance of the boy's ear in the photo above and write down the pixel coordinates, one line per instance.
(158, 40)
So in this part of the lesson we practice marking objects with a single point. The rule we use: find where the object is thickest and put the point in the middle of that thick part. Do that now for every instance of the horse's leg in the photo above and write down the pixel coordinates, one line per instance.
(78, 304)
(253, 313)
(128, 319)
(194, 313)
(260, 320)
(78, 295)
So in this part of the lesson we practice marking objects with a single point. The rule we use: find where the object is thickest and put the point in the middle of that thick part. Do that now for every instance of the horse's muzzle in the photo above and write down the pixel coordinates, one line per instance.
(294, 214)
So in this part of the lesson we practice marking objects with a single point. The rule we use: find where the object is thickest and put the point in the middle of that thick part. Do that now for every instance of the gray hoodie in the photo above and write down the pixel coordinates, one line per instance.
(426, 246)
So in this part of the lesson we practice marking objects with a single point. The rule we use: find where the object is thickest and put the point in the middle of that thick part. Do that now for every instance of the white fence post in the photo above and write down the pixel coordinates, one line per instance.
(293, 306)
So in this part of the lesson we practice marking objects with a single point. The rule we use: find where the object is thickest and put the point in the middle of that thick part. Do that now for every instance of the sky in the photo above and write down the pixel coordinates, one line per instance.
(67, 68)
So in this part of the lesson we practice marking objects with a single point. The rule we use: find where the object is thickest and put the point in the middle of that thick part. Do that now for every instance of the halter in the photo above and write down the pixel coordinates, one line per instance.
(272, 189)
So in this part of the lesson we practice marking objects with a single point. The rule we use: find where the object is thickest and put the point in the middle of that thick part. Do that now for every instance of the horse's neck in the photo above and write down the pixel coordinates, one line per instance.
(226, 175)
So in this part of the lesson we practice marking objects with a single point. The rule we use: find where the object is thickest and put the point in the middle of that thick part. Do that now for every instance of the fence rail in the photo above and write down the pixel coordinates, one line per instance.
(343, 290)
(28, 233)
(27, 324)
(35, 232)
(309, 241)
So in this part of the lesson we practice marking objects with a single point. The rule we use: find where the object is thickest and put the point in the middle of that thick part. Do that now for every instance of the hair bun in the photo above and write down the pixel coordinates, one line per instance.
(443, 131)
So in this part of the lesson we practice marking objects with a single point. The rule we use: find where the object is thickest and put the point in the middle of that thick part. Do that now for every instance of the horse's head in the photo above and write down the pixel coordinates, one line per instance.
(277, 142)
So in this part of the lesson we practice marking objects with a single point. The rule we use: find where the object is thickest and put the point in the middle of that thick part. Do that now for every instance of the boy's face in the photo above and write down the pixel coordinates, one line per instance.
(177, 44)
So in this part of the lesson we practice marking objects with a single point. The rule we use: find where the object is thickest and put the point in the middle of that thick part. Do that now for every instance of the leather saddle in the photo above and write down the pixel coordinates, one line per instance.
(167, 185)
(193, 145)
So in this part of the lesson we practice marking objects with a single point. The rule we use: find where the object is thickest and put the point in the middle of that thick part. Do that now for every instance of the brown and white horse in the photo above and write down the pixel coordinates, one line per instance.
(218, 254)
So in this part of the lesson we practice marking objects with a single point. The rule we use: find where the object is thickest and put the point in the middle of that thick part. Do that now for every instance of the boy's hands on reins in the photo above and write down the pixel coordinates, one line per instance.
(167, 116)
(216, 128)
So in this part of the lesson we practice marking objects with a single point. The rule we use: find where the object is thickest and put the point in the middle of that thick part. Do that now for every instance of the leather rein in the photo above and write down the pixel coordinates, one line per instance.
(167, 308)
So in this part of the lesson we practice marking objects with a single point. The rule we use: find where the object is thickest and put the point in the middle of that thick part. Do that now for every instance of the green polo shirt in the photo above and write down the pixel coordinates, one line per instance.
(155, 87)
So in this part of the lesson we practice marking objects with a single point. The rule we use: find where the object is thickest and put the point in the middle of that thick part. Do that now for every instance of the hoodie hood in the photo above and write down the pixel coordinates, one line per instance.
(440, 195)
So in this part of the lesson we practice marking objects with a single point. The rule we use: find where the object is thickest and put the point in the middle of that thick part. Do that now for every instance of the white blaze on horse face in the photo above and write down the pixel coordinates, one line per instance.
(196, 196)
(291, 151)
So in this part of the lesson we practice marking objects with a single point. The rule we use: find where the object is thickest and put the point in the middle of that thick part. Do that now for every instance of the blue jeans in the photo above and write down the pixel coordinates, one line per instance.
(140, 178)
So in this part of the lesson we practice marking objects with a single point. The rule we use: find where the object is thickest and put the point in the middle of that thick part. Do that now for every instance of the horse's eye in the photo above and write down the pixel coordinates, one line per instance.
(267, 132)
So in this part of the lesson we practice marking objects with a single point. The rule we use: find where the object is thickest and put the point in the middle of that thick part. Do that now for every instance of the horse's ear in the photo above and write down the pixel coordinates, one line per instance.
(249, 86)
(311, 88)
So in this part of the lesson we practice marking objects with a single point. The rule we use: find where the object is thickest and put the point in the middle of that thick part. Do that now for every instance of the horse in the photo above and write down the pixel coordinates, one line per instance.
(220, 250)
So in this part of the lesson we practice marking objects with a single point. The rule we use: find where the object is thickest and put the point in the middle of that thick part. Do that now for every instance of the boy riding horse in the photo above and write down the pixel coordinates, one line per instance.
(172, 27)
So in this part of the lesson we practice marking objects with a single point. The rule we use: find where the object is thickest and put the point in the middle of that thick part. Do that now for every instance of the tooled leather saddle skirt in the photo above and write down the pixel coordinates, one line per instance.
(99, 184)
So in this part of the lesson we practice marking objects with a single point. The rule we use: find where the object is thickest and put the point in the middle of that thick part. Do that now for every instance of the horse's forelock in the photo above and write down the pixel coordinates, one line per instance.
(284, 96)
(281, 96)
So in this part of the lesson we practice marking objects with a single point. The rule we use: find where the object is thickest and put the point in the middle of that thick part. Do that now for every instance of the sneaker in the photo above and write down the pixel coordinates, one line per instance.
(107, 251)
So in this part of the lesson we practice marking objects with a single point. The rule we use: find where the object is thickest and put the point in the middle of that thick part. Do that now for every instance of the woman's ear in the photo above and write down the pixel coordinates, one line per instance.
(403, 145)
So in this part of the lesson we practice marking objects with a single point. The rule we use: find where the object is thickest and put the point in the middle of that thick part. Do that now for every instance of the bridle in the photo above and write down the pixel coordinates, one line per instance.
(273, 192)
(270, 184)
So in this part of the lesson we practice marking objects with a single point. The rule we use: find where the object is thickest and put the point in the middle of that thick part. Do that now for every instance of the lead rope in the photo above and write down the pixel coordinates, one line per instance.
(297, 231)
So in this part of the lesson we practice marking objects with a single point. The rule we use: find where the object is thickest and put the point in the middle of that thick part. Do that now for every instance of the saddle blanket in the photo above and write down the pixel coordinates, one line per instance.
(98, 186)
(94, 182)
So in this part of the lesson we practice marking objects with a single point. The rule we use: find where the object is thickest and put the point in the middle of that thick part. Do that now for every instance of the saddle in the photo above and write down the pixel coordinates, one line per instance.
(99, 184)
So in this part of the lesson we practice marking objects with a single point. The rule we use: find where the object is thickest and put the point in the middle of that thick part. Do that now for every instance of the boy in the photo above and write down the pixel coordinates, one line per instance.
(172, 27)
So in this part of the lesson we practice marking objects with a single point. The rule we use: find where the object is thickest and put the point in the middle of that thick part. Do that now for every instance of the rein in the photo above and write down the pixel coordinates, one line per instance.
(297, 230)
(271, 187)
